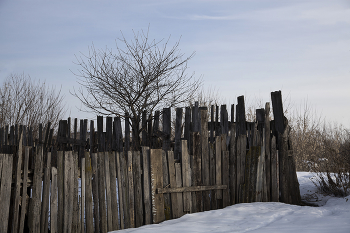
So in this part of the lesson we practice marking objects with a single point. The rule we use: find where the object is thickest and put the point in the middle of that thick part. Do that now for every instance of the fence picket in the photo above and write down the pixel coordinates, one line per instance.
(238, 163)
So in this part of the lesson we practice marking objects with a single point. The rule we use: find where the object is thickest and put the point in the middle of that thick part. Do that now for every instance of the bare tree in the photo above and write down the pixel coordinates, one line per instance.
(141, 75)
(26, 102)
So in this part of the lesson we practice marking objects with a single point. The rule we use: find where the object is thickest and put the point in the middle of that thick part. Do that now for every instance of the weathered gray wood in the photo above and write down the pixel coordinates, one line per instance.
(197, 205)
(5, 190)
(68, 166)
(113, 184)
(83, 193)
(241, 156)
(241, 120)
(278, 115)
(260, 171)
(17, 189)
(120, 190)
(178, 133)
(188, 129)
(74, 180)
(138, 189)
(172, 179)
(150, 131)
(108, 192)
(167, 201)
(268, 151)
(95, 192)
(218, 166)
(166, 128)
(186, 176)
(147, 185)
(225, 178)
(274, 171)
(192, 189)
(155, 140)
(53, 201)
(157, 182)
(82, 156)
(79, 211)
(195, 118)
(131, 197)
(233, 159)
(101, 192)
(178, 176)
(292, 176)
(24, 188)
(144, 138)
(35, 203)
(205, 158)
(46, 195)
(212, 177)
(60, 186)
(124, 180)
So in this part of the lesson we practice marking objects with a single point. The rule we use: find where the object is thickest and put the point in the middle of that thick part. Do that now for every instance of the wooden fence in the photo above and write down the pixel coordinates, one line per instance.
(90, 181)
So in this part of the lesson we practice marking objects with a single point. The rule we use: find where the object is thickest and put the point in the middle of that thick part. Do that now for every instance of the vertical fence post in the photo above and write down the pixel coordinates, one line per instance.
(157, 182)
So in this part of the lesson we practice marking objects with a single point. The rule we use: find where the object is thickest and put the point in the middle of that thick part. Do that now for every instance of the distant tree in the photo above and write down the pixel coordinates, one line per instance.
(27, 102)
(140, 75)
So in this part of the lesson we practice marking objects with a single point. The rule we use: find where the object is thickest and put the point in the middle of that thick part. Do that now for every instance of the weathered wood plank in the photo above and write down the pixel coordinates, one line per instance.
(120, 189)
(108, 192)
(212, 177)
(83, 193)
(138, 189)
(192, 189)
(166, 129)
(60, 186)
(260, 171)
(17, 189)
(178, 177)
(155, 139)
(147, 185)
(5, 190)
(197, 205)
(233, 159)
(225, 178)
(24, 188)
(172, 179)
(178, 133)
(188, 128)
(274, 171)
(69, 173)
(95, 192)
(218, 166)
(268, 151)
(53, 201)
(35, 204)
(74, 180)
(101, 192)
(113, 184)
(46, 195)
(144, 138)
(205, 158)
(167, 201)
(157, 182)
(125, 188)
(186, 176)
(241, 157)
(131, 197)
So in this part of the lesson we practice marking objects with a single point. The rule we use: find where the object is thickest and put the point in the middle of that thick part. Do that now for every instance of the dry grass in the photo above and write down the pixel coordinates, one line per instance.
(323, 149)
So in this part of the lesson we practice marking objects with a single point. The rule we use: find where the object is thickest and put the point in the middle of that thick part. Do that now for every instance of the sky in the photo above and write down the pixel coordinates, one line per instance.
(243, 47)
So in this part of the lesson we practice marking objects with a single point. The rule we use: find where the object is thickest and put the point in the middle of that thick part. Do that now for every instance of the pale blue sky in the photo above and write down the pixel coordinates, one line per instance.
(243, 47)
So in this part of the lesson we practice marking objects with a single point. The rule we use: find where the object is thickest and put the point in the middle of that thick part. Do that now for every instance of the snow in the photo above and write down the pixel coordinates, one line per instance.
(331, 215)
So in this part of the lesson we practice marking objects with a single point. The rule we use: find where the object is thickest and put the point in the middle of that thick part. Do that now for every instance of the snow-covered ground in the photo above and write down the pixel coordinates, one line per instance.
(332, 215)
